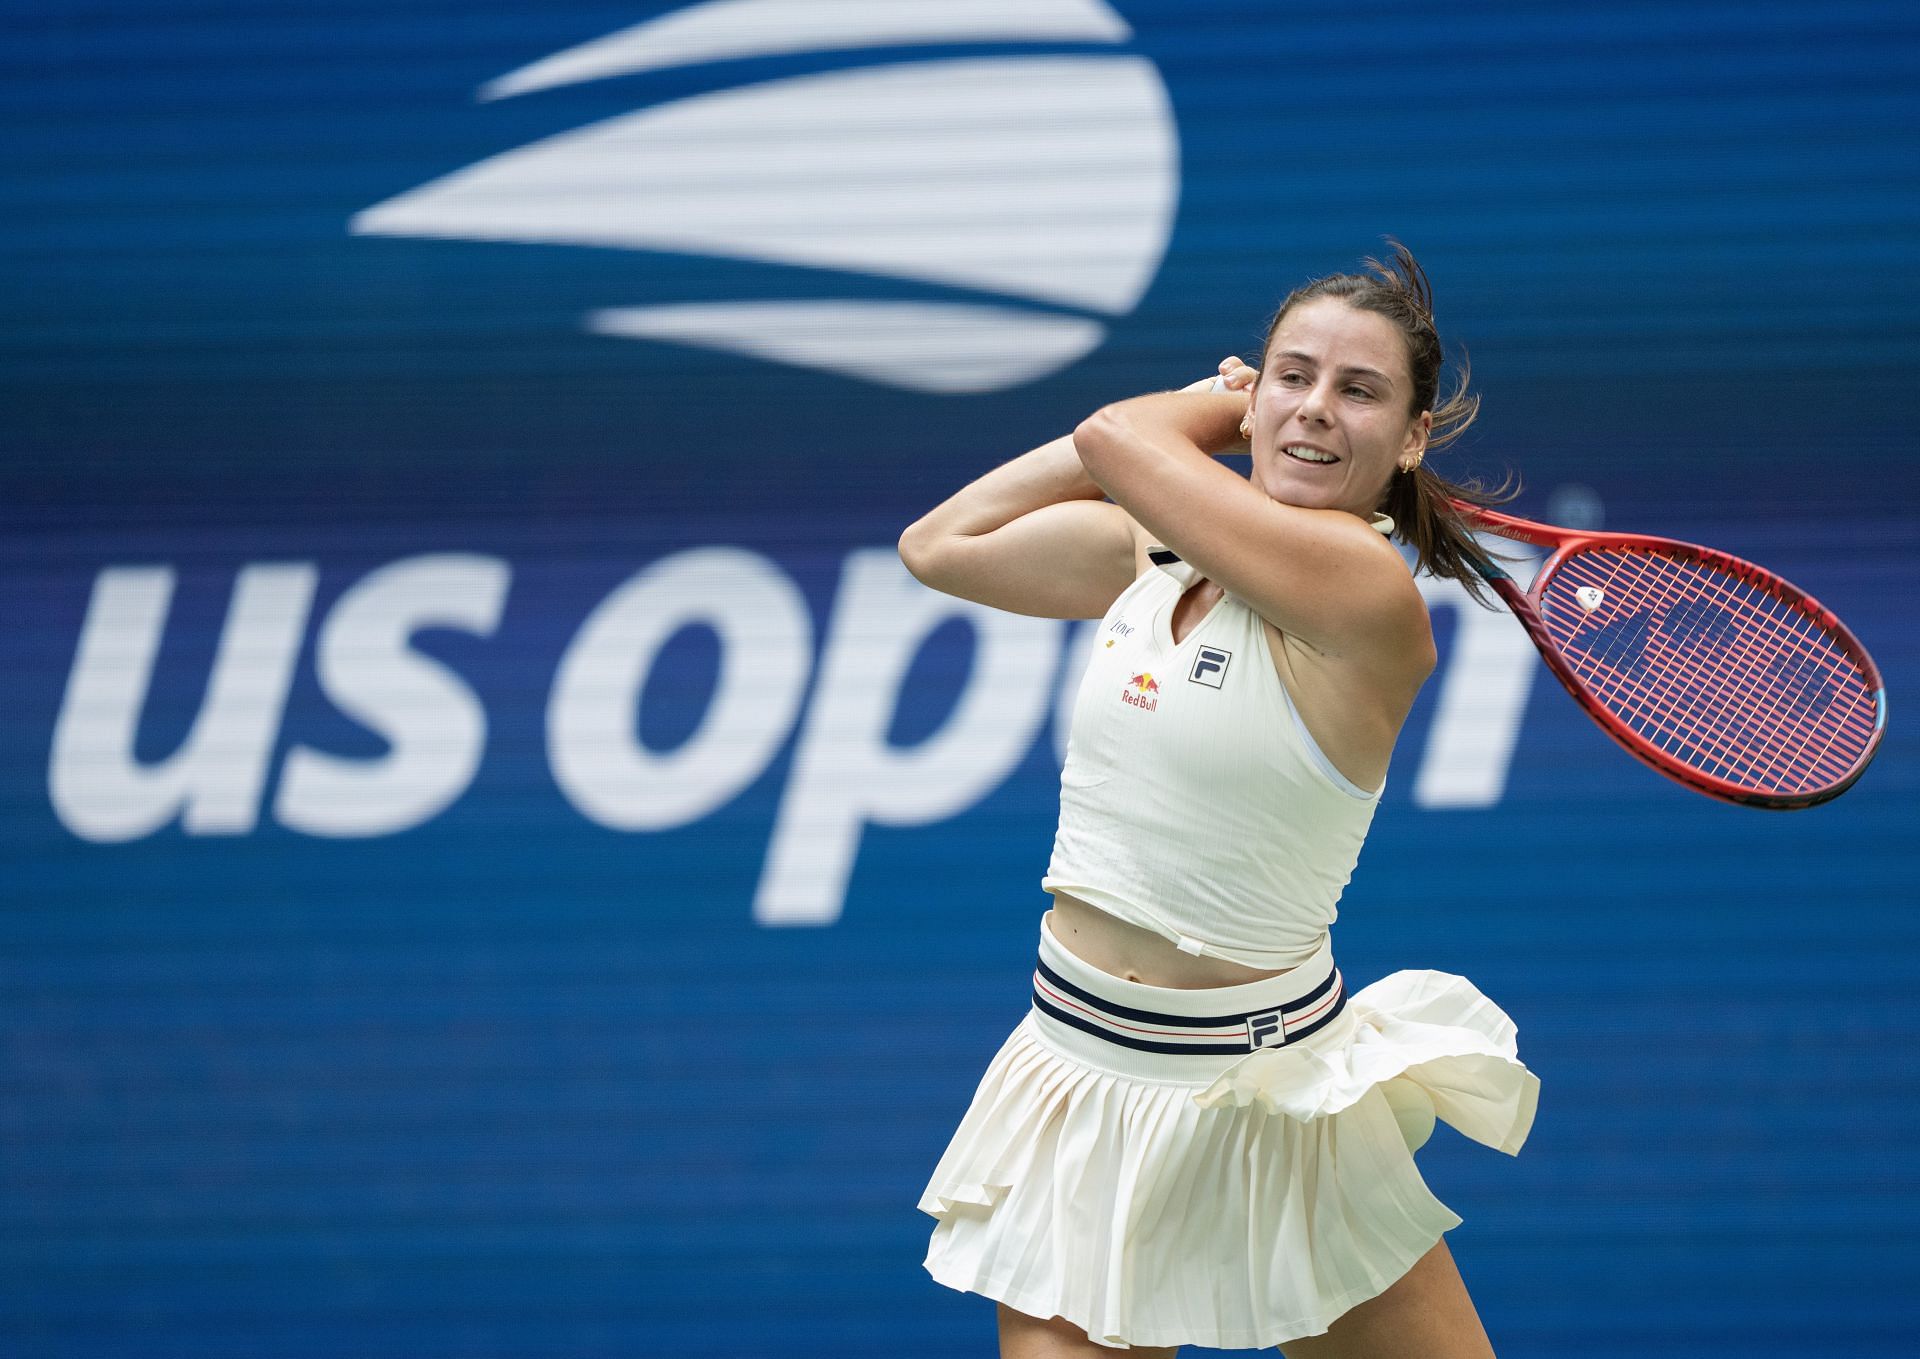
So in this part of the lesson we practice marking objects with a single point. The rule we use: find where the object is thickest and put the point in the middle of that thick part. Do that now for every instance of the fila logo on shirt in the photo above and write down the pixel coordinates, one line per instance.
(1210, 667)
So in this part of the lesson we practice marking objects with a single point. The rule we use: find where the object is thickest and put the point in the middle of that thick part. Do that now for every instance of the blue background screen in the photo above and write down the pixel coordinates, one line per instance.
(497, 858)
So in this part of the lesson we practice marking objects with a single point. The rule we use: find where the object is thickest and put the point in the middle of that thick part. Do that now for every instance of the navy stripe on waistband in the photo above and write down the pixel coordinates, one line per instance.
(1186, 1021)
(1275, 1035)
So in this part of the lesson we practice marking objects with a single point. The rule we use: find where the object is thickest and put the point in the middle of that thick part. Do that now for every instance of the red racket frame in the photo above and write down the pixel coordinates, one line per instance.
(1564, 543)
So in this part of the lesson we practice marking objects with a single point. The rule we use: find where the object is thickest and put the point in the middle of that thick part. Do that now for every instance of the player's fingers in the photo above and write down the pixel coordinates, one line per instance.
(1235, 372)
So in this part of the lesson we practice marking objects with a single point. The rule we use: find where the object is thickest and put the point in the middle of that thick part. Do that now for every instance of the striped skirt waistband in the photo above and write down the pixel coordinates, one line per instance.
(1211, 1021)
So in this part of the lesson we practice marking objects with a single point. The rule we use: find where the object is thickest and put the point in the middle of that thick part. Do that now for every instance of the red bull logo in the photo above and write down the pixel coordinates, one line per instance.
(1137, 691)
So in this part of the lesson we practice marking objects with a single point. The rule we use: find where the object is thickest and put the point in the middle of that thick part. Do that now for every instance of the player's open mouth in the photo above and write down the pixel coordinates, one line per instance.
(1307, 453)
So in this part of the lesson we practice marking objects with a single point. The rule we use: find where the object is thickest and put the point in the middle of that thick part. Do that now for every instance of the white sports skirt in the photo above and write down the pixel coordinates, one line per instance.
(1229, 1167)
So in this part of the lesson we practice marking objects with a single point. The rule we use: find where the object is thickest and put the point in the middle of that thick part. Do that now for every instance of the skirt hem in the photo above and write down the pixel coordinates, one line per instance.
(1033, 1303)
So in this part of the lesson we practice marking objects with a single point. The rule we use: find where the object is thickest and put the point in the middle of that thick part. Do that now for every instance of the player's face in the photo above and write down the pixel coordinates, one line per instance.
(1330, 421)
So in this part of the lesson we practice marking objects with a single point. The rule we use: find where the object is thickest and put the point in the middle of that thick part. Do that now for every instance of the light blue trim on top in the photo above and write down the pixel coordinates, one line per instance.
(1320, 760)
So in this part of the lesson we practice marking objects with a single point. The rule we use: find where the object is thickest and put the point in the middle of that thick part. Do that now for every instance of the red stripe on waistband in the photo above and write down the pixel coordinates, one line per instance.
(1307, 1017)
(1228, 1039)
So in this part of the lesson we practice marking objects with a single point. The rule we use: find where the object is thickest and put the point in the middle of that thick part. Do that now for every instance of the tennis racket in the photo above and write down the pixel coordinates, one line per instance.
(1714, 671)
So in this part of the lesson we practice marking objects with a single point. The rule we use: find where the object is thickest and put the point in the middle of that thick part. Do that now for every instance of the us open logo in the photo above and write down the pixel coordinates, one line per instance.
(1210, 667)
(1045, 183)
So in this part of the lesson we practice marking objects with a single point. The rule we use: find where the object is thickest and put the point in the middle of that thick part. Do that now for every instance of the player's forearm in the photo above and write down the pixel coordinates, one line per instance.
(1046, 475)
(1158, 425)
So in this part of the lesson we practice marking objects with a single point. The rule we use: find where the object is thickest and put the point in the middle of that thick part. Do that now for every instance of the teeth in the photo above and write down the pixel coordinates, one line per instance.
(1305, 454)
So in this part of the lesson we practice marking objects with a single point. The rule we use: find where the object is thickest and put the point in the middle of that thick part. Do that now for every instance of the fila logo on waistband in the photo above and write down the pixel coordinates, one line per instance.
(1210, 667)
(1266, 1031)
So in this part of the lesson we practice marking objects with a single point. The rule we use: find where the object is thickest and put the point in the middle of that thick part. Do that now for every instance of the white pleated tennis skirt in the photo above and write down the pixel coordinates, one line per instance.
(1228, 1167)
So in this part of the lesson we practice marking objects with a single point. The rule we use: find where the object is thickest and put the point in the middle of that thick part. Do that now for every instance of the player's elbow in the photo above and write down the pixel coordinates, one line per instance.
(1100, 440)
(926, 552)
(913, 549)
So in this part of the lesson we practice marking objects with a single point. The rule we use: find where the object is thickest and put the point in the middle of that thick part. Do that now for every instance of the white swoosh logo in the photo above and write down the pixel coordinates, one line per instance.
(924, 346)
(1048, 178)
(735, 29)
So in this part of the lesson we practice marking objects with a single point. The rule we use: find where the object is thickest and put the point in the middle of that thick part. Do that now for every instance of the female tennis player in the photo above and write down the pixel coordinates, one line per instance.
(1197, 1135)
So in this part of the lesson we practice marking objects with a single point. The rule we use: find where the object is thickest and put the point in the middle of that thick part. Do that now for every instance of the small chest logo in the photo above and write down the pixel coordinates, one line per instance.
(1210, 667)
(1125, 629)
(1141, 692)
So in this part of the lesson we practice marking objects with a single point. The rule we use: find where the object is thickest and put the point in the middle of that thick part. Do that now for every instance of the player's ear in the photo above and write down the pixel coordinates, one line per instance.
(1415, 445)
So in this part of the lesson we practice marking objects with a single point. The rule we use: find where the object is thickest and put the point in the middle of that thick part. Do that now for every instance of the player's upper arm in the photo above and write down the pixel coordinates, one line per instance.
(1322, 576)
(1067, 560)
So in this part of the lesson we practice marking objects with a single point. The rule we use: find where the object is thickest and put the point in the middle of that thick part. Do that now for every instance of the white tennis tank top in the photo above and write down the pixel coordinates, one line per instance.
(1194, 802)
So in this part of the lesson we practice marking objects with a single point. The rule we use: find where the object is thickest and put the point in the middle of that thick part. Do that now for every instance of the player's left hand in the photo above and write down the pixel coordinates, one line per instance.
(1234, 376)
(1237, 373)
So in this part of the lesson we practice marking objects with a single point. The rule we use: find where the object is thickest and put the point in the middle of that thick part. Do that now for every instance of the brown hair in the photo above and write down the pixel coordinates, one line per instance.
(1418, 500)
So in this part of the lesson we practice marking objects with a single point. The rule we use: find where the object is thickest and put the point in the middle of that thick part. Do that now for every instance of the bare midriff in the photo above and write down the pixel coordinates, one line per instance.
(1121, 949)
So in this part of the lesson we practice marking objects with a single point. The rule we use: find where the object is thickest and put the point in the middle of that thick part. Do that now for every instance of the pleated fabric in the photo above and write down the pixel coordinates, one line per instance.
(1230, 1201)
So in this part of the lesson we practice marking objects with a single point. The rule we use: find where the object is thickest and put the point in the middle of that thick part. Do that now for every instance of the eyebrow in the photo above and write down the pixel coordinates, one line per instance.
(1350, 369)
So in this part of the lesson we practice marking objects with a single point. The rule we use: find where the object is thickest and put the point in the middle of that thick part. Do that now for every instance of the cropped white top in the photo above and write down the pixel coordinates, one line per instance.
(1194, 803)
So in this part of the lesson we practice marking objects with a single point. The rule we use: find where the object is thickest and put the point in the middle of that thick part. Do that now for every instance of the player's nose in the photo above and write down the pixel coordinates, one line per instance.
(1313, 405)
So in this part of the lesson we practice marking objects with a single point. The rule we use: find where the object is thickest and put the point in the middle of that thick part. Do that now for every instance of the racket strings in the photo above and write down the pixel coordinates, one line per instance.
(1724, 713)
(1759, 711)
(1724, 706)
(1712, 668)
